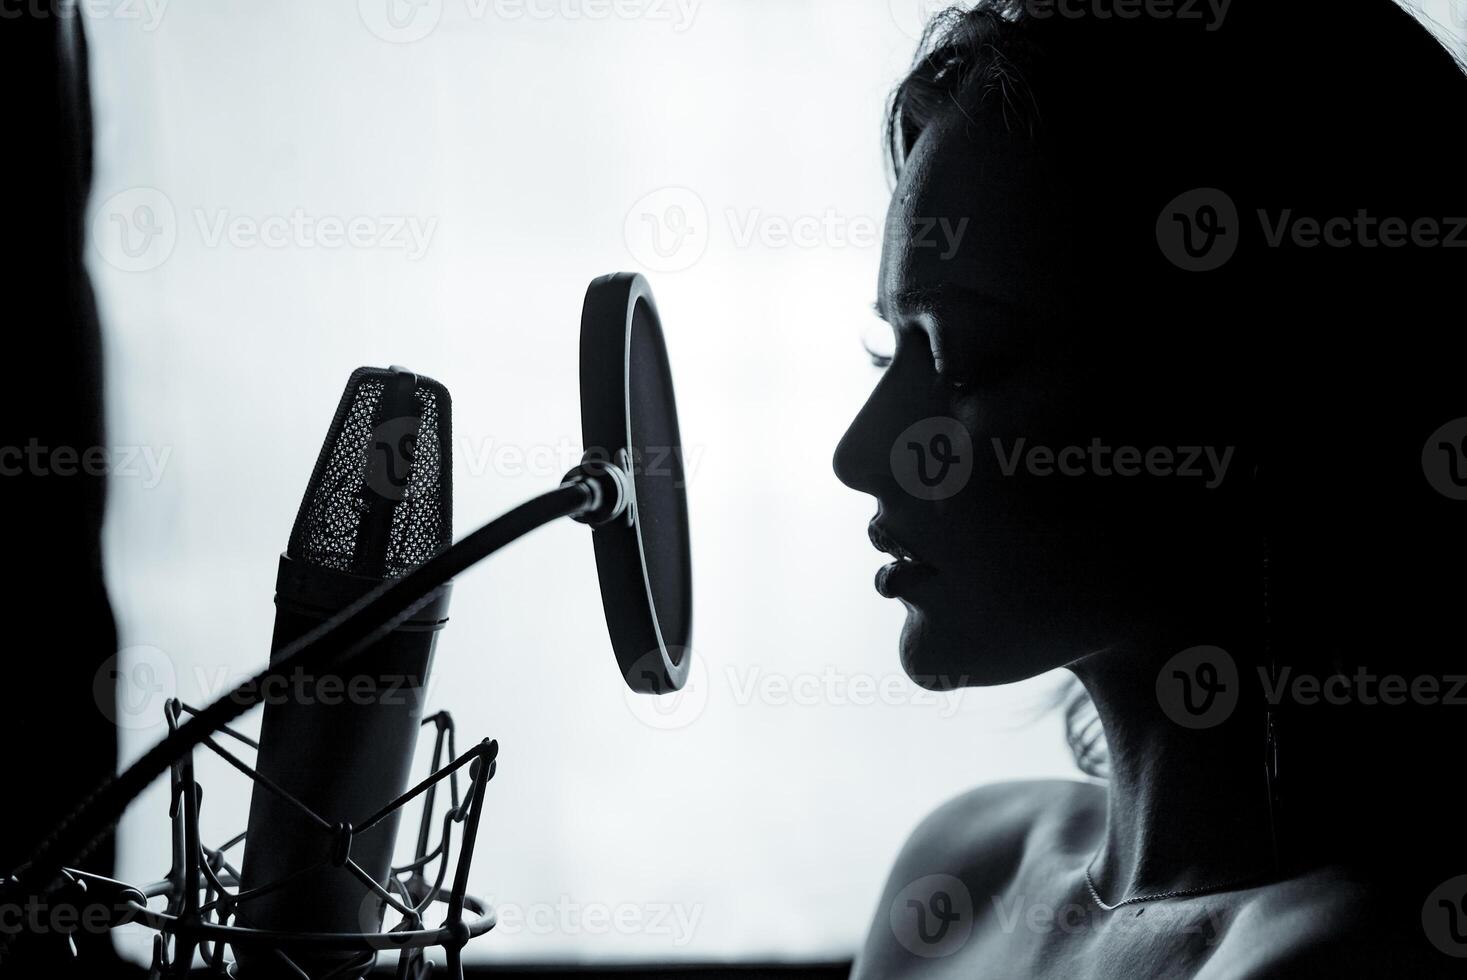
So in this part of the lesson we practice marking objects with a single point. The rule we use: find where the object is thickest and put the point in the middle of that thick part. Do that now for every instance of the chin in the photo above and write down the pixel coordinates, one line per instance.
(931, 659)
(969, 649)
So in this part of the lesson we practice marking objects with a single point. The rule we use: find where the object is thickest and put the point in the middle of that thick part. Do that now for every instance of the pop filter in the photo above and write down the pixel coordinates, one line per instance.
(629, 425)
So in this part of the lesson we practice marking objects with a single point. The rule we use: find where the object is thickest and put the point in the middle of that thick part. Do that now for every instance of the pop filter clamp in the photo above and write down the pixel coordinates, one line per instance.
(629, 488)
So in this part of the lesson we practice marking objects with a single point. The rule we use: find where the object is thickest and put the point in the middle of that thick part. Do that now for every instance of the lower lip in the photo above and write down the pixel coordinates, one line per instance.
(895, 579)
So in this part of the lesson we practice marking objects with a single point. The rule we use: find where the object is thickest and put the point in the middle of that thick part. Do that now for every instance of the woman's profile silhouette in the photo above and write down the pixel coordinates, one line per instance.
(1167, 415)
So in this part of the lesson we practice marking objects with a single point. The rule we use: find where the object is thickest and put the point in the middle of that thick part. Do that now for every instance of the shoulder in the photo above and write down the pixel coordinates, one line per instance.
(968, 848)
(985, 831)
(1328, 923)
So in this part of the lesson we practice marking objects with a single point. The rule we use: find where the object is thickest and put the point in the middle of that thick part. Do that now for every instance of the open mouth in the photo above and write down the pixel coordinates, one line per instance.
(885, 542)
(905, 573)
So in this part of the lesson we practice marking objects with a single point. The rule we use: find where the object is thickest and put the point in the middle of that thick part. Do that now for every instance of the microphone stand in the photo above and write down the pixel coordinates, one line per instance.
(595, 493)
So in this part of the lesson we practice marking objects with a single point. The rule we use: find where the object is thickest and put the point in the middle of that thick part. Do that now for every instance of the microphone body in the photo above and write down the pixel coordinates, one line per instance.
(336, 749)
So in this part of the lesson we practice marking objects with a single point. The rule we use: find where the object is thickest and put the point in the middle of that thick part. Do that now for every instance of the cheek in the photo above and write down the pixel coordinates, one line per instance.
(1003, 423)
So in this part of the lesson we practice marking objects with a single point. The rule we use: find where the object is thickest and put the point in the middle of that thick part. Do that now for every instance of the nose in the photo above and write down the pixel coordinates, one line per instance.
(862, 457)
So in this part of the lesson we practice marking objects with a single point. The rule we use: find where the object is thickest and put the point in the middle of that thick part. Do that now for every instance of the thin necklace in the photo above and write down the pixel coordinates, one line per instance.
(1178, 893)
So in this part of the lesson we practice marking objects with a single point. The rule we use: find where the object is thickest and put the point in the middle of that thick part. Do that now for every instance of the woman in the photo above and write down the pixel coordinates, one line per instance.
(1176, 413)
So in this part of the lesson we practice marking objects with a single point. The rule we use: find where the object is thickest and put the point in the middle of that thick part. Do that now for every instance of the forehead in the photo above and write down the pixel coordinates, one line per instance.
(975, 212)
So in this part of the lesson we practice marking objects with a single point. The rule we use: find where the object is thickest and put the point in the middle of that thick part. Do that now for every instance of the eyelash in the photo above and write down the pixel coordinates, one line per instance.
(957, 385)
(878, 359)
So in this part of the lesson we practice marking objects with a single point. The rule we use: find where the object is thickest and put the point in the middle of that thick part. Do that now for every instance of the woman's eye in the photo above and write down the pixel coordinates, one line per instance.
(879, 342)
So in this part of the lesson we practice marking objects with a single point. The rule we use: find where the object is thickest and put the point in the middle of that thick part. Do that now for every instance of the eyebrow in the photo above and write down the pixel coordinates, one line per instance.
(926, 297)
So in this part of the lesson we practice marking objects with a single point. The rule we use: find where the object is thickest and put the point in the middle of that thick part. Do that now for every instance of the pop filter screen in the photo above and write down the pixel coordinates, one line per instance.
(629, 417)
(662, 509)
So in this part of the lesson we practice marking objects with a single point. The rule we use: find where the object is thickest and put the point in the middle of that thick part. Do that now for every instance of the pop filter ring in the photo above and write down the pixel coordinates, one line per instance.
(619, 322)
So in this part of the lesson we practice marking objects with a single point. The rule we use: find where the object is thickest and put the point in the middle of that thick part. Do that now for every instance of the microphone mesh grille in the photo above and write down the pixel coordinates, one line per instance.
(380, 501)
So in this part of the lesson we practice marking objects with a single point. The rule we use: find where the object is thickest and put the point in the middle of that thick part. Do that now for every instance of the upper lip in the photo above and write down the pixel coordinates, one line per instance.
(883, 541)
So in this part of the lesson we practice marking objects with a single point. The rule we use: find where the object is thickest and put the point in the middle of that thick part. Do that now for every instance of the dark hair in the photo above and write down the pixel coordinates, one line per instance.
(965, 57)
(1325, 112)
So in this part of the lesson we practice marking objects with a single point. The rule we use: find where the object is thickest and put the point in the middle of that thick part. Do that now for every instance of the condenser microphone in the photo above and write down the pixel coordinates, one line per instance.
(334, 750)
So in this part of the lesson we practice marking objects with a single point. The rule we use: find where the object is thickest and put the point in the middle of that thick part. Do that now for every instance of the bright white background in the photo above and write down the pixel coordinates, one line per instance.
(729, 149)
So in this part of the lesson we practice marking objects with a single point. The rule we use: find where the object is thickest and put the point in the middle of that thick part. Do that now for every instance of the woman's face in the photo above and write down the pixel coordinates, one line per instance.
(991, 441)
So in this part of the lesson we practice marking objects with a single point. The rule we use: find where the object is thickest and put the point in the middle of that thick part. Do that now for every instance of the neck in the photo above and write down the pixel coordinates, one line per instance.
(1188, 806)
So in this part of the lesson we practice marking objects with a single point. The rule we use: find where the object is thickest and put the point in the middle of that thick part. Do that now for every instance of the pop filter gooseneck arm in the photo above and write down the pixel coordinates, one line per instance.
(593, 493)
